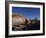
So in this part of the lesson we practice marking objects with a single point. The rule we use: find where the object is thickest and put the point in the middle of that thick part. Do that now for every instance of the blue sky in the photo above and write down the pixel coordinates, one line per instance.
(30, 13)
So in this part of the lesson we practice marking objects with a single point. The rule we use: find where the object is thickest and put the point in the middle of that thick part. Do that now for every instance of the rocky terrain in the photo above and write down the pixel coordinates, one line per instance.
(20, 22)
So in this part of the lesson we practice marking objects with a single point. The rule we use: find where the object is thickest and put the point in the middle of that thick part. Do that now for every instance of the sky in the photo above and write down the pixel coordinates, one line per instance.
(30, 13)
